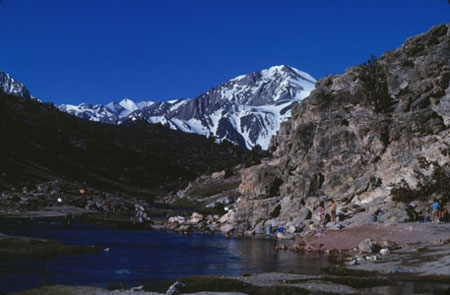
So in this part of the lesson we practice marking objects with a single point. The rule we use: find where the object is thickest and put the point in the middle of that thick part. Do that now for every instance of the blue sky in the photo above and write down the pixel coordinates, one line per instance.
(72, 51)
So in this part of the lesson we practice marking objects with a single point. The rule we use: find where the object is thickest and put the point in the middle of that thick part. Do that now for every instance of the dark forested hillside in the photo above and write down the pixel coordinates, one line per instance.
(38, 142)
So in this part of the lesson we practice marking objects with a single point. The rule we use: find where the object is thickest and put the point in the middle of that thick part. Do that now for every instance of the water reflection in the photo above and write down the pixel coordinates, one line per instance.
(260, 254)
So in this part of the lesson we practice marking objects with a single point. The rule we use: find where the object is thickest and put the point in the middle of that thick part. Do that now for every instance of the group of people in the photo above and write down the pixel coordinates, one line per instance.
(438, 212)
(322, 212)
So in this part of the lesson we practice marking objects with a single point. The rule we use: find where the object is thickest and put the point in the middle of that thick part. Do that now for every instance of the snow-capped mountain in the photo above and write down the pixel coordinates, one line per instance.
(11, 86)
(246, 110)
(113, 112)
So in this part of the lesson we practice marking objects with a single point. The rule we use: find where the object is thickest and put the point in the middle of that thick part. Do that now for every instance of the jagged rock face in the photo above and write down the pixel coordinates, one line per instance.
(360, 134)
(246, 110)
(11, 86)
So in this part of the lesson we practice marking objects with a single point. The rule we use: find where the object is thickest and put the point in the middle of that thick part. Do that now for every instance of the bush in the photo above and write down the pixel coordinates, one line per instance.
(374, 77)
(437, 184)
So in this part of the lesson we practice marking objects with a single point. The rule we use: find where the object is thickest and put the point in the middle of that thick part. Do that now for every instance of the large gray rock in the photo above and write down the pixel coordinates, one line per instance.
(358, 136)
(368, 246)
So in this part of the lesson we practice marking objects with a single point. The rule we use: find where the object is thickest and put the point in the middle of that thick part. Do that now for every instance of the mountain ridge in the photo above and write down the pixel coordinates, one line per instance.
(245, 110)
(40, 143)
(9, 85)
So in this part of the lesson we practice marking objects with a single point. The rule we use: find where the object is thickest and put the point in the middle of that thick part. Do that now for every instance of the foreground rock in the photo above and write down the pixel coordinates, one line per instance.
(368, 246)
(333, 281)
(82, 290)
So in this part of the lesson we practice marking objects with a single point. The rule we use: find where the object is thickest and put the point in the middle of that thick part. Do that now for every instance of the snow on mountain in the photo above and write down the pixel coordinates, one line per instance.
(246, 110)
(11, 86)
(128, 106)
(113, 112)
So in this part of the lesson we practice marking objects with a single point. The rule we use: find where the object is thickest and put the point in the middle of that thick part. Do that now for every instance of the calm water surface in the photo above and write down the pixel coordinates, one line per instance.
(140, 256)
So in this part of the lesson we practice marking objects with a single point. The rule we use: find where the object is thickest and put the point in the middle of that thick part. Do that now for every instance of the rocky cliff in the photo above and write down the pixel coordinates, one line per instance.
(376, 134)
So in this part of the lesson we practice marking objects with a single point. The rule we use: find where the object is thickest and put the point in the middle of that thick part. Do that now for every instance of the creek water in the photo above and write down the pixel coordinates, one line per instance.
(143, 257)
(139, 256)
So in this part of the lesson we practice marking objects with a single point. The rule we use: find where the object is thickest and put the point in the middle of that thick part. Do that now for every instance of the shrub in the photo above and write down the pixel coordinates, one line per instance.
(374, 77)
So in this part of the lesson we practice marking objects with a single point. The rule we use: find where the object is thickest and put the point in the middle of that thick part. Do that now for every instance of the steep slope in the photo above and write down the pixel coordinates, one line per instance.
(40, 142)
(11, 86)
(246, 110)
(376, 134)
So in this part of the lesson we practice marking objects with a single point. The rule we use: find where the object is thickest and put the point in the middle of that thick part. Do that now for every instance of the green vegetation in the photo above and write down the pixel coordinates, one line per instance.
(40, 247)
(198, 284)
(39, 142)
(437, 184)
(374, 77)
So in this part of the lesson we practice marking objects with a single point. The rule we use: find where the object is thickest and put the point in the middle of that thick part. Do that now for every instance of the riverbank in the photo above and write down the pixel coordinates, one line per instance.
(419, 248)
(418, 252)
(31, 247)
(412, 248)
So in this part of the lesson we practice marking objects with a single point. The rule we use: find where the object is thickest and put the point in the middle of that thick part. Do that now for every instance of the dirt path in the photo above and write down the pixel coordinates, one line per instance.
(404, 234)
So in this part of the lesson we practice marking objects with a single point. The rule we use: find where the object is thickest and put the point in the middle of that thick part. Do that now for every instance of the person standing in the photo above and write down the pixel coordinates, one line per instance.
(435, 212)
(321, 212)
(333, 210)
(441, 211)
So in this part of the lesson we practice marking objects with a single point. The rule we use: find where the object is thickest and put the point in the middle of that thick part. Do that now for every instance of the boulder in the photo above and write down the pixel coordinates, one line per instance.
(185, 228)
(368, 246)
(225, 200)
(291, 229)
(175, 288)
(196, 218)
(175, 221)
(226, 228)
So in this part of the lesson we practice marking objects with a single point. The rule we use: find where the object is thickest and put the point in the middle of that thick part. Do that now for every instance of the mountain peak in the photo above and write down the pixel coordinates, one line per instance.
(11, 86)
(245, 110)
(128, 104)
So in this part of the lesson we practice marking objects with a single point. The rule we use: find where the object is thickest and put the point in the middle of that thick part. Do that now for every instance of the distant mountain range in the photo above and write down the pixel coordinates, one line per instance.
(246, 110)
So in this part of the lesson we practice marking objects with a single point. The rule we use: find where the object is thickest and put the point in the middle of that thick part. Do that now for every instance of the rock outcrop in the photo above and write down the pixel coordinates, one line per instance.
(361, 138)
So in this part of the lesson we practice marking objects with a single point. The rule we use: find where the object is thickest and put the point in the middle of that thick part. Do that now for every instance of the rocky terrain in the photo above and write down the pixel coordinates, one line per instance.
(334, 281)
(246, 110)
(375, 139)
